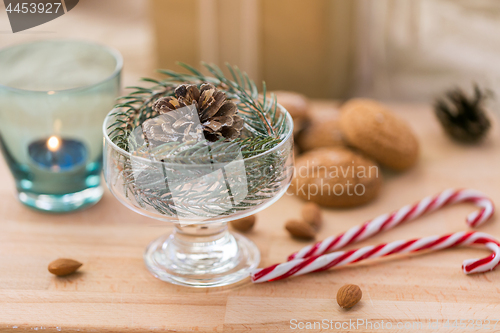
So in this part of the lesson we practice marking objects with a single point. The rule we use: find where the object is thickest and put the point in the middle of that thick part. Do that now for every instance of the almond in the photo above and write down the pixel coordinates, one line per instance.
(63, 266)
(311, 213)
(349, 295)
(300, 229)
(244, 224)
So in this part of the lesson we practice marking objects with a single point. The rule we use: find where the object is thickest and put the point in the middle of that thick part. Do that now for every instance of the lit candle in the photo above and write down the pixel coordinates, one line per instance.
(57, 154)
(53, 143)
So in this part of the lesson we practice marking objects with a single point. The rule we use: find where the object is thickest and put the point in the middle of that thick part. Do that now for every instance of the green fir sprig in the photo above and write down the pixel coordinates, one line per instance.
(258, 111)
(146, 182)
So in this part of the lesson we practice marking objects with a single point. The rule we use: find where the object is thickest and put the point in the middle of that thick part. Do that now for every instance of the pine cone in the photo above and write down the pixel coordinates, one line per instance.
(463, 117)
(217, 115)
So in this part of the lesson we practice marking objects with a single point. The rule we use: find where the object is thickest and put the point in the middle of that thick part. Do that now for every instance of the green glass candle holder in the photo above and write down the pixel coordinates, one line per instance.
(54, 96)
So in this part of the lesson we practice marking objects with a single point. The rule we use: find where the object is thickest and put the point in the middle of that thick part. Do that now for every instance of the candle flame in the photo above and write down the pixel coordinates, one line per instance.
(53, 143)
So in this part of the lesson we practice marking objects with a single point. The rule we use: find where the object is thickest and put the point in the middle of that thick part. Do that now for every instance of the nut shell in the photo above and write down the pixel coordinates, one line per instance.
(320, 134)
(61, 267)
(245, 224)
(311, 213)
(300, 229)
(297, 105)
(336, 177)
(349, 295)
(379, 133)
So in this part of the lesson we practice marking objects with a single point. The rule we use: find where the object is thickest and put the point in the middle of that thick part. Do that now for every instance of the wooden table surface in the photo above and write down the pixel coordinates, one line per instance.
(113, 291)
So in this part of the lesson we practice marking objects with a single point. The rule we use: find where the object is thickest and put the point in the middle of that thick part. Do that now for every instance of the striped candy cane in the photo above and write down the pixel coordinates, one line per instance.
(407, 213)
(322, 262)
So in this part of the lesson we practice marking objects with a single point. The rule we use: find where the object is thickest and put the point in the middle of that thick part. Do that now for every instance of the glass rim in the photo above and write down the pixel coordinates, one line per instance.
(112, 51)
(287, 137)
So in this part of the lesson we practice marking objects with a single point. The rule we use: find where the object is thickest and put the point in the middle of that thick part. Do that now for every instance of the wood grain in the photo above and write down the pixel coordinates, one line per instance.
(113, 292)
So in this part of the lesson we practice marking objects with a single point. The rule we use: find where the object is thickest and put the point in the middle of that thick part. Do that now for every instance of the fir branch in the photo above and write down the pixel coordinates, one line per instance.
(146, 180)
(259, 113)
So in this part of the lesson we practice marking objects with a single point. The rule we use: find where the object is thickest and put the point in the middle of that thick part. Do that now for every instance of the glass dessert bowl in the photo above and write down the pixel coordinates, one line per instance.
(199, 189)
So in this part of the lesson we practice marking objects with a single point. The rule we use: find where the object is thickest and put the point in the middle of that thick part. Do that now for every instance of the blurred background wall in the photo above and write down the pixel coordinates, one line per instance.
(412, 50)
(387, 49)
(307, 46)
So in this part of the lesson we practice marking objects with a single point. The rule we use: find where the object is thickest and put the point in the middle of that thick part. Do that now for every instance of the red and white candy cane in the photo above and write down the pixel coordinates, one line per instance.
(322, 262)
(407, 213)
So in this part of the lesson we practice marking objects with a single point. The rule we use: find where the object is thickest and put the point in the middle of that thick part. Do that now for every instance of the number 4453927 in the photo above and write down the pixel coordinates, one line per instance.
(32, 7)
(471, 324)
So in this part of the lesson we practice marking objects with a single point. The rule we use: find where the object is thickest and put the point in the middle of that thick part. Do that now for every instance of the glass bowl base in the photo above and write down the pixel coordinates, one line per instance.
(61, 203)
(207, 263)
